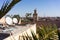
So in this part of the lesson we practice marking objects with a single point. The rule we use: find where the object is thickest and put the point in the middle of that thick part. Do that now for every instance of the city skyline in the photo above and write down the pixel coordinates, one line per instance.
(44, 7)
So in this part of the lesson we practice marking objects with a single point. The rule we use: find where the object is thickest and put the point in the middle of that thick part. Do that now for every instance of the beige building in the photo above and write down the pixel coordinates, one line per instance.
(2, 20)
(20, 31)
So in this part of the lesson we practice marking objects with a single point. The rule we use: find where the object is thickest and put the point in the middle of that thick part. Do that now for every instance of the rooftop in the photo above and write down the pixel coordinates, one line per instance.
(5, 32)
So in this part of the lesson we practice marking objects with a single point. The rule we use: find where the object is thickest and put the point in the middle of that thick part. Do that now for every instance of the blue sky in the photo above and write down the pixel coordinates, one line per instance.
(44, 7)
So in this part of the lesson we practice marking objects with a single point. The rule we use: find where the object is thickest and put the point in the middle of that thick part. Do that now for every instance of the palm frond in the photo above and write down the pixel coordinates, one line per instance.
(34, 36)
(6, 7)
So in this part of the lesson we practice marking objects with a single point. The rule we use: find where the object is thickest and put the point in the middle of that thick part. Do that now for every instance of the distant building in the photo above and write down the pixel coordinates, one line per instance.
(35, 16)
(2, 20)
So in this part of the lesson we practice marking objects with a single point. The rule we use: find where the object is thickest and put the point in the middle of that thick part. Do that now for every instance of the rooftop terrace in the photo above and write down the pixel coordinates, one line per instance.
(12, 30)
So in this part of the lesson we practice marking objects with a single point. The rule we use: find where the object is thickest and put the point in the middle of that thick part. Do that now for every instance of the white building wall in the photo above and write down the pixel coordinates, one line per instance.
(2, 20)
(25, 32)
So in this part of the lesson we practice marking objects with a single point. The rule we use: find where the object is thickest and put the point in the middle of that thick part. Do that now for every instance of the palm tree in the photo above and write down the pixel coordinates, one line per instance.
(28, 15)
(59, 33)
(7, 6)
(48, 32)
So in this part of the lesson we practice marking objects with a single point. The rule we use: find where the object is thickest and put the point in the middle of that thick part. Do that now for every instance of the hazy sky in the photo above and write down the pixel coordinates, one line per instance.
(44, 7)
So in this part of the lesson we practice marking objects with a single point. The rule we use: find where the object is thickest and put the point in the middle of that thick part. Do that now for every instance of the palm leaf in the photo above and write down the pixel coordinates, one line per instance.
(34, 36)
(6, 7)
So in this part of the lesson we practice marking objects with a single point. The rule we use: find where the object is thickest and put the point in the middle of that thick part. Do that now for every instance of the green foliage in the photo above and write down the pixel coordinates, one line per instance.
(48, 32)
(59, 34)
(16, 16)
(28, 15)
(34, 36)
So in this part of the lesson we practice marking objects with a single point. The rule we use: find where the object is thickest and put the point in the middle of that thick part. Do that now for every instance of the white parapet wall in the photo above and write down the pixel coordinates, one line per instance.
(23, 32)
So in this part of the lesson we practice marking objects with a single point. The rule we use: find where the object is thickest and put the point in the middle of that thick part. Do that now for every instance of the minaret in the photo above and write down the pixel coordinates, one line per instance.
(35, 16)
